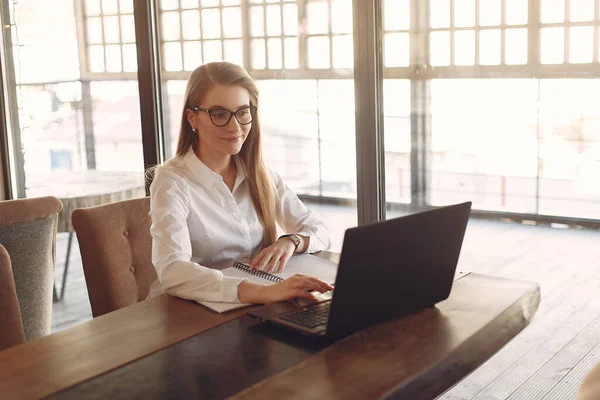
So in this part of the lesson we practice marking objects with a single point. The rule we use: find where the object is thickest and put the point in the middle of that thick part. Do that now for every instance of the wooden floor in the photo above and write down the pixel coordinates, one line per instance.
(548, 360)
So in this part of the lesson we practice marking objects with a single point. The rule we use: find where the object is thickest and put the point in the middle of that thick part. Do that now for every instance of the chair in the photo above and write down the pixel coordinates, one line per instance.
(11, 328)
(116, 249)
(28, 233)
(590, 389)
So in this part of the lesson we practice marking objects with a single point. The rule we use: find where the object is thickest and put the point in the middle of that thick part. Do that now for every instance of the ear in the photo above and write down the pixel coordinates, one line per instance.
(191, 116)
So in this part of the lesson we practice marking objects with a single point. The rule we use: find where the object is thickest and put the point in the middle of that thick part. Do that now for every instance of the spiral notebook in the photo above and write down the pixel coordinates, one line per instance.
(303, 264)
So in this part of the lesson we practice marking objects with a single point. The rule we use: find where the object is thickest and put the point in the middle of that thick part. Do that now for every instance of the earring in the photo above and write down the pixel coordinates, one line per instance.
(194, 130)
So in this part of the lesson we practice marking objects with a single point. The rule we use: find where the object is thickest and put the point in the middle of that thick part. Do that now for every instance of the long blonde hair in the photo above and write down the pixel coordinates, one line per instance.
(262, 190)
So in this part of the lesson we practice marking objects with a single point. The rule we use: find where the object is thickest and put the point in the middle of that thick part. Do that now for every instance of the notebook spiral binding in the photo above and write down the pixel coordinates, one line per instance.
(256, 272)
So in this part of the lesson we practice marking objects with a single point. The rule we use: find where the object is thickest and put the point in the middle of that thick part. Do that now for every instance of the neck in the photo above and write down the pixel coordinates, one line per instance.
(219, 163)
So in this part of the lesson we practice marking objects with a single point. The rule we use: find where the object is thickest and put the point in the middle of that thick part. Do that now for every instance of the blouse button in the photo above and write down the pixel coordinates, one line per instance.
(132, 269)
(125, 232)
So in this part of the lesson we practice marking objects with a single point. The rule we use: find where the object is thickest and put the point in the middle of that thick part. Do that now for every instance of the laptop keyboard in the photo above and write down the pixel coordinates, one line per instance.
(311, 316)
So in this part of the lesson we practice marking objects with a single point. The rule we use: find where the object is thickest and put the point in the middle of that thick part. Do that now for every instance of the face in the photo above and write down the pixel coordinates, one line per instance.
(225, 141)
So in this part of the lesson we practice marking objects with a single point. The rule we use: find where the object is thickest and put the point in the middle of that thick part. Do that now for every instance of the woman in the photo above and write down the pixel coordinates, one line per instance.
(216, 202)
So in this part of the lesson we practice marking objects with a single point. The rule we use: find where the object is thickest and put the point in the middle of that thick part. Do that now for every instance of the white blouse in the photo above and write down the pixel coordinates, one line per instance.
(199, 226)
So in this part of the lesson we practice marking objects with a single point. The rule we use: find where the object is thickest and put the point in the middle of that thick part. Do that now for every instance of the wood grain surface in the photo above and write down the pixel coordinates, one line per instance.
(415, 357)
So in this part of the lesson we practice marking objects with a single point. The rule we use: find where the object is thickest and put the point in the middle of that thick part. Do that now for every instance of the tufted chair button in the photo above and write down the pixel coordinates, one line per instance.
(132, 269)
(125, 232)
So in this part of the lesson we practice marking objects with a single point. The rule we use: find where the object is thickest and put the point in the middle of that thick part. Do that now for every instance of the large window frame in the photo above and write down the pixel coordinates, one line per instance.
(368, 73)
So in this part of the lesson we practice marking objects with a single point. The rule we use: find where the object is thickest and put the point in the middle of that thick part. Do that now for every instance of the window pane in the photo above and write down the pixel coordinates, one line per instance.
(552, 11)
(127, 29)
(318, 17)
(290, 19)
(189, 4)
(439, 48)
(568, 153)
(172, 57)
(471, 141)
(230, 2)
(516, 12)
(94, 30)
(129, 58)
(581, 44)
(113, 58)
(191, 24)
(338, 149)
(126, 6)
(490, 13)
(258, 54)
(232, 22)
(341, 14)
(275, 53)
(110, 7)
(170, 26)
(234, 52)
(343, 52)
(396, 15)
(397, 128)
(169, 4)
(96, 58)
(192, 55)
(257, 21)
(111, 29)
(553, 45)
(464, 13)
(464, 48)
(515, 47)
(489, 47)
(273, 21)
(397, 50)
(440, 13)
(212, 51)
(211, 24)
(210, 3)
(318, 52)
(582, 10)
(92, 7)
(291, 53)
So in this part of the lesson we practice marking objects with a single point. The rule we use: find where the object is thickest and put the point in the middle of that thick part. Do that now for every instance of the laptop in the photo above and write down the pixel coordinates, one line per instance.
(387, 269)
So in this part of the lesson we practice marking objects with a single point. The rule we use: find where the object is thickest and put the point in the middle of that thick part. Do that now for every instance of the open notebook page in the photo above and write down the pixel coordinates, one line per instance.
(302, 264)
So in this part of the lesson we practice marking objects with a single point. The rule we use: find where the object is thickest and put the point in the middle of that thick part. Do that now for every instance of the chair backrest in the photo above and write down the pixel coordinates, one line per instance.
(28, 232)
(11, 327)
(116, 250)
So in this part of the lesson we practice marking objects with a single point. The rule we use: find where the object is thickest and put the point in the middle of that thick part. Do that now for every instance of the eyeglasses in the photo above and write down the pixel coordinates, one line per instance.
(221, 116)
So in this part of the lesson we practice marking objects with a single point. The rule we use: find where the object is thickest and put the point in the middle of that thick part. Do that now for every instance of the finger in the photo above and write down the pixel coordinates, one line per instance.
(262, 264)
(312, 283)
(322, 284)
(283, 262)
(256, 258)
(307, 284)
(272, 264)
(304, 294)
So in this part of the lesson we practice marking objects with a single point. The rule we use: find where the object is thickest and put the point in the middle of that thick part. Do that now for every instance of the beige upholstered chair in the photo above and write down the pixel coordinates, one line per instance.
(28, 232)
(116, 249)
(11, 327)
(590, 389)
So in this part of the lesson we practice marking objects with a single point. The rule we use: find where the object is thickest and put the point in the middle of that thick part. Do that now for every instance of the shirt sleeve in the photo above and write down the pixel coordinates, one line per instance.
(172, 249)
(296, 218)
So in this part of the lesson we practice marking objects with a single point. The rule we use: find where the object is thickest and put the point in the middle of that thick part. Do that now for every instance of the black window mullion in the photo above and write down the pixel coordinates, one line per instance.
(149, 82)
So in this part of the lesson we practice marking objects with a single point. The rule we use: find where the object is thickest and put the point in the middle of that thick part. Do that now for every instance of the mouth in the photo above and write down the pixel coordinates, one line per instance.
(232, 139)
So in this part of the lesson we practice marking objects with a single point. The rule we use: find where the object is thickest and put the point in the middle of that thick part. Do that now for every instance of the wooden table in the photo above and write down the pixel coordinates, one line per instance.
(168, 347)
(84, 189)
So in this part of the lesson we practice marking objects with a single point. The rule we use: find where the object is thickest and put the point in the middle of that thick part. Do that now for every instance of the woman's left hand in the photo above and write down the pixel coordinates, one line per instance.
(268, 258)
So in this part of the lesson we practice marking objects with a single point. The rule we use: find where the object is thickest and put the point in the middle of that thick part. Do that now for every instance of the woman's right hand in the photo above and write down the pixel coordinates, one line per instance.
(295, 286)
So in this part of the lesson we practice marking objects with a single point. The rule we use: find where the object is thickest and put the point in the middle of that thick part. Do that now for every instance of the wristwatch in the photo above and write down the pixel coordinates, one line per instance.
(294, 238)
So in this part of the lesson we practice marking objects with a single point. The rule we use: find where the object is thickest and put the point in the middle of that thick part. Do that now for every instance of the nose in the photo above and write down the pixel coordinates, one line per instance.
(233, 125)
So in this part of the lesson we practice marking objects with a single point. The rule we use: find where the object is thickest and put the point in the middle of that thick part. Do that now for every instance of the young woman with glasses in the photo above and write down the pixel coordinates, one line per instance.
(216, 202)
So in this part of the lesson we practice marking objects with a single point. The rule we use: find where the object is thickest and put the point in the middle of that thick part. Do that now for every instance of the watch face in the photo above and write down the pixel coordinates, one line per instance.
(296, 239)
